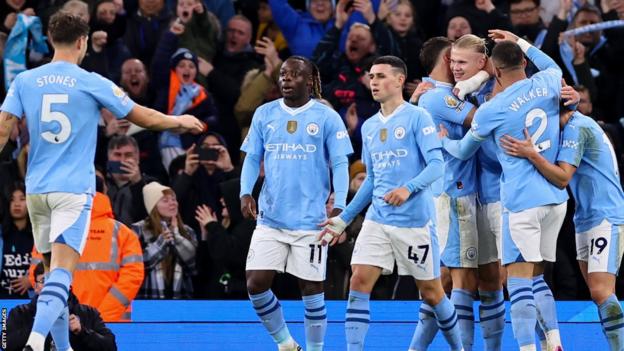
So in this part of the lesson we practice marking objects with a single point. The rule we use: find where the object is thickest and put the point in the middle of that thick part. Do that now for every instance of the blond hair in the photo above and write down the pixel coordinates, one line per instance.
(471, 42)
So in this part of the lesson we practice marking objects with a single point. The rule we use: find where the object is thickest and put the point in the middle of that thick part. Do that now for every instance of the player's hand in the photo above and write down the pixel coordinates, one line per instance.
(192, 161)
(443, 133)
(518, 148)
(248, 207)
(74, 324)
(188, 123)
(570, 96)
(131, 168)
(333, 228)
(397, 196)
(199, 7)
(499, 35)
(98, 40)
(224, 162)
(20, 285)
(385, 7)
(422, 88)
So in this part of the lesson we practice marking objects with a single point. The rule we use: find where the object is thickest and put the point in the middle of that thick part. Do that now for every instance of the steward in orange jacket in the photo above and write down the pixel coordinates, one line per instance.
(110, 271)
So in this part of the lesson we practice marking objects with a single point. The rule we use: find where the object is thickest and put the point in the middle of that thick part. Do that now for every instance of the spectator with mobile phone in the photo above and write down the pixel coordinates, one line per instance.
(125, 180)
(207, 165)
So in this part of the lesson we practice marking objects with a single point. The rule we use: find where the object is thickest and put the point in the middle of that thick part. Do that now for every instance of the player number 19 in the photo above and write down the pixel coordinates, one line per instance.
(49, 116)
(530, 118)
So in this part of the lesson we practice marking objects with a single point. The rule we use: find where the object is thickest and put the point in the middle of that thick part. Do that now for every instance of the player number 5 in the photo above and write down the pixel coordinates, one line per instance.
(48, 116)
(530, 118)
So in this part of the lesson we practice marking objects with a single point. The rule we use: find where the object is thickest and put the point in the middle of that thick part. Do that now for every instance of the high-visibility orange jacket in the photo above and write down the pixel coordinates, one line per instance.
(110, 271)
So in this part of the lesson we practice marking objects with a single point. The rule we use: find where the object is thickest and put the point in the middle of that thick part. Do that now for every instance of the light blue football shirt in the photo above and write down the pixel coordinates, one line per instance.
(459, 176)
(488, 168)
(297, 145)
(596, 183)
(531, 103)
(394, 148)
(61, 103)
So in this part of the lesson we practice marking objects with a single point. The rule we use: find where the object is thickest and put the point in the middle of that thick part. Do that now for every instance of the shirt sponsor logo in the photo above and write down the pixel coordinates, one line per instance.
(342, 134)
(388, 158)
(570, 144)
(428, 130)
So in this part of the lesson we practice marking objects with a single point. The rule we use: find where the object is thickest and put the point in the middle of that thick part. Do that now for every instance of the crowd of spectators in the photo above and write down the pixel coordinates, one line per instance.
(219, 60)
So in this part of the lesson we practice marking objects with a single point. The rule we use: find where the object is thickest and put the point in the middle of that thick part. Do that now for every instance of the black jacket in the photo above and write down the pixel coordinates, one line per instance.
(94, 336)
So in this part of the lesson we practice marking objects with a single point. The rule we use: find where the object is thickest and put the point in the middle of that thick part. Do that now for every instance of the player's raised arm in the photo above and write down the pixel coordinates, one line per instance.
(7, 123)
(151, 119)
(538, 57)
(558, 174)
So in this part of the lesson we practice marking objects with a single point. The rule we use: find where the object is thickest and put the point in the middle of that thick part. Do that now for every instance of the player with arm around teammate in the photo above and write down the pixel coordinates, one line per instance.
(300, 140)
(587, 163)
(402, 158)
(533, 208)
(61, 104)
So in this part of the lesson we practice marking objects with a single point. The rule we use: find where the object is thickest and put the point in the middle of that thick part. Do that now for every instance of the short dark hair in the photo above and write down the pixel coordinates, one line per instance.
(66, 28)
(536, 2)
(393, 61)
(587, 8)
(507, 54)
(431, 51)
(122, 140)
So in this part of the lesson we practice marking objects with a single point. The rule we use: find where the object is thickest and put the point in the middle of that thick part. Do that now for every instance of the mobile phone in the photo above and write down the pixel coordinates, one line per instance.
(114, 167)
(208, 154)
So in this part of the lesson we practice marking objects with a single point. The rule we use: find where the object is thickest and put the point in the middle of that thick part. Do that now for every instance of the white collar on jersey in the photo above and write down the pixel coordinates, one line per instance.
(385, 119)
(443, 84)
(295, 110)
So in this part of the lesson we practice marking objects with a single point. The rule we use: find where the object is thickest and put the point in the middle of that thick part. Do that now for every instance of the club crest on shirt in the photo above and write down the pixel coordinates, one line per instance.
(451, 101)
(399, 133)
(291, 127)
(383, 135)
(312, 129)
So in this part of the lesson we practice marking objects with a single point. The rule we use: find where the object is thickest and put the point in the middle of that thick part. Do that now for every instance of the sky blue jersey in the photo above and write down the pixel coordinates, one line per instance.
(596, 183)
(61, 103)
(297, 145)
(396, 149)
(488, 168)
(459, 176)
(531, 103)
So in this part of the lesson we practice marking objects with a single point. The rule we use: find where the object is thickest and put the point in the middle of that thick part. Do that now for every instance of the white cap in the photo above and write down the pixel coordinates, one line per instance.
(152, 193)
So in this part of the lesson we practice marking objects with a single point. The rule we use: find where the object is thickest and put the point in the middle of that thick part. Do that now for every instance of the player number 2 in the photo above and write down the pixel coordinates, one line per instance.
(313, 249)
(530, 118)
(412, 255)
(49, 116)
(600, 244)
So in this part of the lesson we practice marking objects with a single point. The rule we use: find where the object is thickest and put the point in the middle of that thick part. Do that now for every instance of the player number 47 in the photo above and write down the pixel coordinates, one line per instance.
(412, 255)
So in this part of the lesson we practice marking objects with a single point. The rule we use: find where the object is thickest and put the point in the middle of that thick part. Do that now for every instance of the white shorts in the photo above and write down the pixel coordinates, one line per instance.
(457, 227)
(415, 250)
(605, 246)
(59, 218)
(489, 227)
(297, 252)
(531, 235)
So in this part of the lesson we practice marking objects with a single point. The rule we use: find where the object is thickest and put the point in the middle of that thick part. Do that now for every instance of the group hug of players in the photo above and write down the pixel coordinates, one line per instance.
(472, 177)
